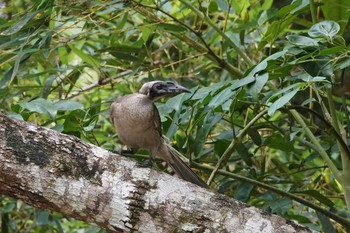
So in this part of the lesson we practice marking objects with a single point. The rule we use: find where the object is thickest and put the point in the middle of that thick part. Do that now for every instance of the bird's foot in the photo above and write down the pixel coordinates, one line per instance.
(121, 152)
(115, 151)
(146, 163)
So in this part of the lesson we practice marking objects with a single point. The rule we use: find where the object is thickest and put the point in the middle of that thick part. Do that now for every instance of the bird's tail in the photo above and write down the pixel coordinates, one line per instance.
(182, 170)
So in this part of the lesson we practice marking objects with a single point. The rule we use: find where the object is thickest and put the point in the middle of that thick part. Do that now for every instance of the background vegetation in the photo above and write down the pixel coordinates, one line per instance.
(267, 122)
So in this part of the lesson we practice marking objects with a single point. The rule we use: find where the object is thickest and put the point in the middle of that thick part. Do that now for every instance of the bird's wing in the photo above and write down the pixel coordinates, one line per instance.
(115, 107)
(112, 110)
(156, 120)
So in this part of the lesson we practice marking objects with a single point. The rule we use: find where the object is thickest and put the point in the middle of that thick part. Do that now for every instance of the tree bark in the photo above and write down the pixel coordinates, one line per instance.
(50, 170)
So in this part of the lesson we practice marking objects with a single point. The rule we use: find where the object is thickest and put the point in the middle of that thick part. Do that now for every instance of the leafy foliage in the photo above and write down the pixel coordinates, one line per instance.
(269, 90)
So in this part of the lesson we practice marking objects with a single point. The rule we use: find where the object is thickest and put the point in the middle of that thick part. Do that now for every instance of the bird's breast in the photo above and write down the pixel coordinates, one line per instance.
(133, 117)
(135, 112)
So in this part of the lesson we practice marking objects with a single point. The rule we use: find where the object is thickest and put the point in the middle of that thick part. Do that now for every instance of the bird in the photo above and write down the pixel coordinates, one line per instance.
(138, 125)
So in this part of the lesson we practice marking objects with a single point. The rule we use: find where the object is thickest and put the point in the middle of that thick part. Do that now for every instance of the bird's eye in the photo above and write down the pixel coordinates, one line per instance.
(159, 87)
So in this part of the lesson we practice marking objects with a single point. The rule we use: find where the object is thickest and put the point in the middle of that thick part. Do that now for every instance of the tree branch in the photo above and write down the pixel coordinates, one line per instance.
(50, 170)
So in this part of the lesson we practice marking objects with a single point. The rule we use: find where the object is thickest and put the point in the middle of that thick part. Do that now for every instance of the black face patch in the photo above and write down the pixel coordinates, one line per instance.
(158, 89)
(159, 86)
(165, 89)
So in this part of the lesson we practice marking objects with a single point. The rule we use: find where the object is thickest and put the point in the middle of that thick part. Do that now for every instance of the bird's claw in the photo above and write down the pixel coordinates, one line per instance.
(121, 152)
(115, 152)
(147, 163)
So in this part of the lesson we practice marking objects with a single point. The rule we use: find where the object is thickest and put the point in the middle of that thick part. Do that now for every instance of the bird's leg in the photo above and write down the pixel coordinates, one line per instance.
(122, 152)
(115, 151)
(127, 152)
(146, 163)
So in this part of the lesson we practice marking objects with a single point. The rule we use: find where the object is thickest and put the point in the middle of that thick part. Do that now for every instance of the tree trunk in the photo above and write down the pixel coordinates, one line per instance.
(50, 170)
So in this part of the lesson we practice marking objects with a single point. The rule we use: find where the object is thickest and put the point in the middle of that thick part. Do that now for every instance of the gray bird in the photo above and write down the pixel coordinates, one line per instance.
(138, 125)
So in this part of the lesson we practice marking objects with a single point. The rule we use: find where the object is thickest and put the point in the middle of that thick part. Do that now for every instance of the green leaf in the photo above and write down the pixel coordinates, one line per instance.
(299, 218)
(301, 40)
(123, 21)
(260, 68)
(41, 106)
(223, 5)
(220, 98)
(276, 141)
(63, 55)
(69, 105)
(242, 82)
(209, 122)
(85, 57)
(47, 86)
(342, 64)
(255, 136)
(172, 28)
(8, 207)
(125, 48)
(146, 32)
(333, 50)
(288, 9)
(326, 223)
(72, 123)
(176, 102)
(243, 191)
(281, 206)
(42, 218)
(326, 29)
(257, 86)
(90, 126)
(203, 92)
(317, 195)
(22, 56)
(307, 101)
(19, 25)
(122, 88)
(125, 56)
(243, 151)
(282, 100)
(338, 11)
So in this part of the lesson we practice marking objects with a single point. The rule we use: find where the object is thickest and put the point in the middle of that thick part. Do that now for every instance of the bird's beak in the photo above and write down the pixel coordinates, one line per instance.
(177, 89)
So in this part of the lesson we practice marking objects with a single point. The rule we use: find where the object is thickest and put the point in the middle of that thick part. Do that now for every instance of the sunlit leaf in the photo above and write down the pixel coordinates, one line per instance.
(302, 40)
(41, 106)
(257, 86)
(85, 57)
(280, 102)
(343, 64)
(239, 83)
(63, 54)
(220, 98)
(177, 101)
(19, 25)
(68, 105)
(327, 29)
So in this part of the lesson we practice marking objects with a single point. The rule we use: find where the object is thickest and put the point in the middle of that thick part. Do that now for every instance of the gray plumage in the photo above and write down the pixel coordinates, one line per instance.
(138, 125)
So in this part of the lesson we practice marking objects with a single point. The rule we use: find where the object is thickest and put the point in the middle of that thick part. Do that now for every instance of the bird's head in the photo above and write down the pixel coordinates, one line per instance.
(160, 89)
